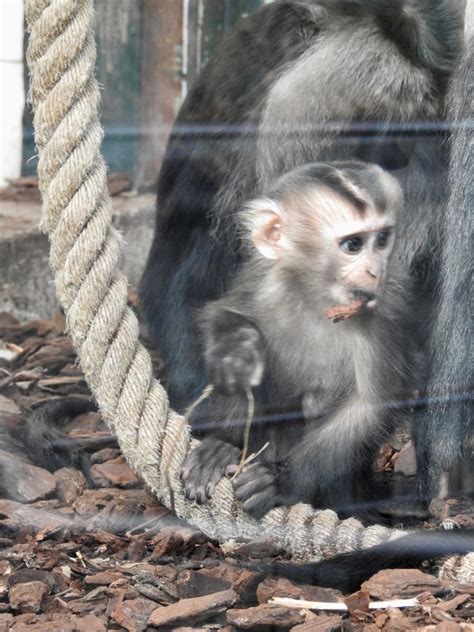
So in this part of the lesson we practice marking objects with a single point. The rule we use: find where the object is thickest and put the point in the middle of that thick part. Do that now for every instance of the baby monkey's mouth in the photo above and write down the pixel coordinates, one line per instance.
(358, 304)
(366, 299)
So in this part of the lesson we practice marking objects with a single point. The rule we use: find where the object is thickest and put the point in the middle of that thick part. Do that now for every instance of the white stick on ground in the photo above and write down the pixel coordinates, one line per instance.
(337, 605)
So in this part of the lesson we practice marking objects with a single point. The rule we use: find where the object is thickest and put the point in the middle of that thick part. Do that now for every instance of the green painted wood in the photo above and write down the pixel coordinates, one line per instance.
(219, 17)
(120, 46)
(118, 37)
(235, 8)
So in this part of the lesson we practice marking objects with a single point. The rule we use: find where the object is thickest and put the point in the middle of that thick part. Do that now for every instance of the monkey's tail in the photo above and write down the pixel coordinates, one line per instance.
(428, 32)
(348, 570)
(45, 442)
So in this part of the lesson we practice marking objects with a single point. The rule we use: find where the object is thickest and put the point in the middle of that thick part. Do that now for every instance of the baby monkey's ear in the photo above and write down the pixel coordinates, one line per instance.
(264, 224)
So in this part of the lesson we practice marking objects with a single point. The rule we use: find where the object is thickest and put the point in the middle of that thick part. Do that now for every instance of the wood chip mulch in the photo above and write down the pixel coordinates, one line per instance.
(74, 558)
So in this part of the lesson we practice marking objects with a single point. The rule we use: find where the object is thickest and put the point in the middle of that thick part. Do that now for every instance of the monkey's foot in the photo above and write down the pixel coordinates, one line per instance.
(257, 488)
(205, 466)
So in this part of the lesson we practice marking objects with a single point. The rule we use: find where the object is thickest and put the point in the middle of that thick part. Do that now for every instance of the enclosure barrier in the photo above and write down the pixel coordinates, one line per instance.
(85, 256)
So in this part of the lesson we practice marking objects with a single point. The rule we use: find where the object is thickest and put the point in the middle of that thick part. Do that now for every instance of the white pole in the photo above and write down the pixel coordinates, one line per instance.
(12, 89)
(185, 54)
(469, 18)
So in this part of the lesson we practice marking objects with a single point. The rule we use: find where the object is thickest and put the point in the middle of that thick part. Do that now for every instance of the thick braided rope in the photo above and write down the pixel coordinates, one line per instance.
(85, 255)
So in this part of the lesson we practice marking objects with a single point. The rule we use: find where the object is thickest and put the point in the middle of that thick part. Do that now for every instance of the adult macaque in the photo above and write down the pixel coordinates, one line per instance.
(444, 432)
(293, 83)
(321, 237)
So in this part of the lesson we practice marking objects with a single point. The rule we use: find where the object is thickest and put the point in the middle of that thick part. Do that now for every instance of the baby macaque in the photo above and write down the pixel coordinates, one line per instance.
(318, 324)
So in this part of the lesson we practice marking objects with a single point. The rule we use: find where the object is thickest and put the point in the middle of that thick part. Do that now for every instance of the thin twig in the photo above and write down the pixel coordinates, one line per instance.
(207, 392)
(253, 456)
(248, 424)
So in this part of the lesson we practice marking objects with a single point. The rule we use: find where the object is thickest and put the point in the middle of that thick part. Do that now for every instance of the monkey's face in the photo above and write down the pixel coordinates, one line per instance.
(357, 249)
(331, 240)
(362, 261)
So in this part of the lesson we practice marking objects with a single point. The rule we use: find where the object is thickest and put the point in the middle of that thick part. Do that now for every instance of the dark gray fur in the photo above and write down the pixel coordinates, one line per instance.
(444, 434)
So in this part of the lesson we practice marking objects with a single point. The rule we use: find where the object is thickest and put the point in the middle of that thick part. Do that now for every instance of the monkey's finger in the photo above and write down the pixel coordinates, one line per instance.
(191, 463)
(231, 470)
(220, 375)
(191, 471)
(255, 369)
(227, 457)
(202, 471)
(211, 485)
(253, 481)
(244, 492)
(259, 504)
(228, 371)
(185, 470)
(190, 492)
(201, 496)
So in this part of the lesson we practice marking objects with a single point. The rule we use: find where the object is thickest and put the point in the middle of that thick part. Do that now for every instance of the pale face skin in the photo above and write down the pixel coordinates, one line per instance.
(325, 230)
(363, 255)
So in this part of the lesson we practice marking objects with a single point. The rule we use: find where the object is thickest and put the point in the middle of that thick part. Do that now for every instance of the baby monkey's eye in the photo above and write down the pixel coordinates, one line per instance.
(353, 244)
(382, 238)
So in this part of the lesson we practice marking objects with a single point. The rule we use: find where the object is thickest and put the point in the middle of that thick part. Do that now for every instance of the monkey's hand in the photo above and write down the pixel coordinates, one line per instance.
(257, 488)
(205, 466)
(235, 360)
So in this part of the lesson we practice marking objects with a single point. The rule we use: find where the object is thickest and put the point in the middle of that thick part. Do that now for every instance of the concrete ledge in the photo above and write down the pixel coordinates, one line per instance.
(26, 284)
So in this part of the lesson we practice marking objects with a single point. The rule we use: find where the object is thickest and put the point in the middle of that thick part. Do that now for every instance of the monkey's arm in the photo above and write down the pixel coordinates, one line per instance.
(234, 360)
